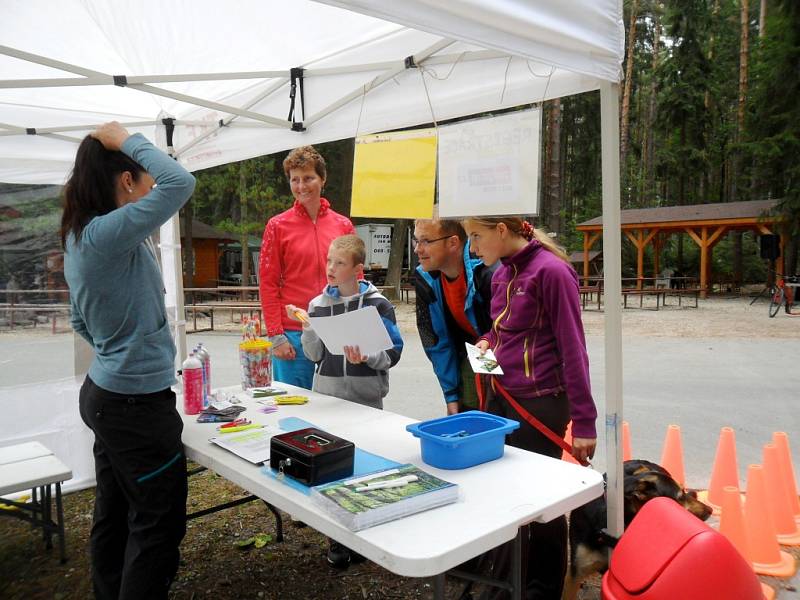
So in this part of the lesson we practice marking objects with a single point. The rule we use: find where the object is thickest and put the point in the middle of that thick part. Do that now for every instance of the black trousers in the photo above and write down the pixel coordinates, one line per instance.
(544, 545)
(140, 504)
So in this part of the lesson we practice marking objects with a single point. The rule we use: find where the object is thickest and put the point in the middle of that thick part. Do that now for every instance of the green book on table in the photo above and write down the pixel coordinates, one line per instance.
(382, 496)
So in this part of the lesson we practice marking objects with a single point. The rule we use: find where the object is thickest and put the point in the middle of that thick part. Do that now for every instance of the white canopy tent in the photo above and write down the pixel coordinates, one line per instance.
(224, 75)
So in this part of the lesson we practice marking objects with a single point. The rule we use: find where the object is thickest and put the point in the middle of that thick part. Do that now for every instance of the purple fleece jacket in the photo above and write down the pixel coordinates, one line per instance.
(537, 333)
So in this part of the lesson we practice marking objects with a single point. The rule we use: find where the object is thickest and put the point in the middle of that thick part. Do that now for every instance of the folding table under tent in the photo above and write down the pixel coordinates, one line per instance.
(226, 82)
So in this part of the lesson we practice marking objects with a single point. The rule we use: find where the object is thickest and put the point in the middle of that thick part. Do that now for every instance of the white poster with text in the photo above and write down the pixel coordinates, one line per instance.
(490, 166)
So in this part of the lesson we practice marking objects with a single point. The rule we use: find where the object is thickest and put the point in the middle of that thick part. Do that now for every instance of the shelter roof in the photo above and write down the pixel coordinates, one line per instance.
(201, 231)
(752, 211)
(577, 257)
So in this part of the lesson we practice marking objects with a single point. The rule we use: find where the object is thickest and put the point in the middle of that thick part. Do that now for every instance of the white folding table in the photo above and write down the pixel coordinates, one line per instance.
(31, 466)
(496, 498)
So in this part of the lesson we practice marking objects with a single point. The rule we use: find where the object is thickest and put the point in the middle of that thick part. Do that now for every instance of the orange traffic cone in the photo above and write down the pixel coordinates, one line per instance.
(672, 454)
(785, 526)
(781, 440)
(731, 525)
(626, 442)
(731, 521)
(767, 557)
(568, 438)
(725, 472)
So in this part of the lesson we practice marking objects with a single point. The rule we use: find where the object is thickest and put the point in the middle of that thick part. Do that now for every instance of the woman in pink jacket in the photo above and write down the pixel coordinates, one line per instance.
(537, 337)
(293, 259)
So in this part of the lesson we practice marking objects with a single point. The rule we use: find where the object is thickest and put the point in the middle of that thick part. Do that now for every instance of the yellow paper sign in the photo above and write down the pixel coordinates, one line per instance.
(394, 175)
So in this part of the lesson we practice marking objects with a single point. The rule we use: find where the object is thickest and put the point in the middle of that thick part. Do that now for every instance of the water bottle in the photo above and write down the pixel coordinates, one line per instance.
(207, 366)
(205, 358)
(192, 374)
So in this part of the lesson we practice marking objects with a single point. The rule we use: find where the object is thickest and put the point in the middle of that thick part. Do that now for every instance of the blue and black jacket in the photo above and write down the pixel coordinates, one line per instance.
(442, 338)
(366, 383)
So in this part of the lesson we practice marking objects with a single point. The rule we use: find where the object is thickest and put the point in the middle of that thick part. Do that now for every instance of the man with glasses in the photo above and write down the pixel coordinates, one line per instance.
(453, 292)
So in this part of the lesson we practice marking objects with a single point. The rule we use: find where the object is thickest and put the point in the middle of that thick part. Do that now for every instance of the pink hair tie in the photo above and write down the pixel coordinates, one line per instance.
(527, 230)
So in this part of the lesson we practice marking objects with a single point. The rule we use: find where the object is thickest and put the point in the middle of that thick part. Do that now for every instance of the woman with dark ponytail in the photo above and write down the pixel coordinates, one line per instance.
(122, 189)
(538, 340)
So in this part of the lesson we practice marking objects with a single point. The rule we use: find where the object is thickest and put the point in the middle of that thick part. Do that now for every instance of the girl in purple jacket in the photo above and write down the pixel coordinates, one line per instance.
(537, 337)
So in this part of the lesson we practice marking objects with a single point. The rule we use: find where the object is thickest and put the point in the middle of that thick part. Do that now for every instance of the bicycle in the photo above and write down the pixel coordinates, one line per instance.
(782, 294)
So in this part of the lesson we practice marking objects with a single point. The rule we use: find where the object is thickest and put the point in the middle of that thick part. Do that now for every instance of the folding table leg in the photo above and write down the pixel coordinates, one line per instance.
(62, 546)
(438, 586)
(278, 521)
(516, 567)
(34, 508)
(47, 520)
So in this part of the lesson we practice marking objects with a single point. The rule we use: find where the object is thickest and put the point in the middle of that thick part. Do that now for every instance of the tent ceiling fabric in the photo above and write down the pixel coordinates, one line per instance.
(473, 58)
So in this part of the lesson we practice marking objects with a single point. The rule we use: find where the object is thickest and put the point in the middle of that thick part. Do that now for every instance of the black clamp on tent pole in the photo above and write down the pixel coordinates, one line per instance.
(121, 80)
(296, 76)
(30, 130)
(169, 125)
(410, 63)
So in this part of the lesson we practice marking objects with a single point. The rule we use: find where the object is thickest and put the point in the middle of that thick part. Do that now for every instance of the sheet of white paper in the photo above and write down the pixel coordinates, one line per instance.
(486, 364)
(363, 328)
(250, 444)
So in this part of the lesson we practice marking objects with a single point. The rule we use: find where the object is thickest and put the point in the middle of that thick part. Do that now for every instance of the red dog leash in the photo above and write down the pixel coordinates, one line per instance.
(533, 421)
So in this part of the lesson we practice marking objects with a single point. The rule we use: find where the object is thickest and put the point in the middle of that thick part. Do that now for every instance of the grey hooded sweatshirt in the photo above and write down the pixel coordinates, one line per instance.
(365, 383)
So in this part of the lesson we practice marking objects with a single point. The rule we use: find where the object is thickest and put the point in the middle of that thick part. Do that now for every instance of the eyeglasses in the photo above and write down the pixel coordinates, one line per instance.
(425, 243)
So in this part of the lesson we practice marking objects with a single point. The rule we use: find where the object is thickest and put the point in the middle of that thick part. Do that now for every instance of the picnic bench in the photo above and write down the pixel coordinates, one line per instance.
(208, 308)
(405, 292)
(33, 311)
(31, 466)
(588, 293)
(688, 292)
(32, 304)
(659, 294)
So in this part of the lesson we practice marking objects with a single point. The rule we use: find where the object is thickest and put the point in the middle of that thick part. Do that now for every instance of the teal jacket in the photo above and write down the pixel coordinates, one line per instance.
(442, 338)
(115, 284)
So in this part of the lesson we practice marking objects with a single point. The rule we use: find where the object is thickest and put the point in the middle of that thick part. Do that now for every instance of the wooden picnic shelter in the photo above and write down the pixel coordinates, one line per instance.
(706, 224)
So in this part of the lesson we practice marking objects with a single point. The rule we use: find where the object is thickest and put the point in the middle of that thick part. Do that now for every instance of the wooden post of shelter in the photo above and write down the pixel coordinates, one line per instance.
(589, 240)
(640, 240)
(706, 243)
(585, 258)
(658, 242)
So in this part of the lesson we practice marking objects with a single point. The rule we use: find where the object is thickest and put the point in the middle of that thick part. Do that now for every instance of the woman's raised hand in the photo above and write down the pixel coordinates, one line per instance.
(111, 135)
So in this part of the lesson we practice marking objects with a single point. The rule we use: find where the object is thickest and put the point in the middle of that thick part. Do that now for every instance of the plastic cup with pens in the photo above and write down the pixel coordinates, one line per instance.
(255, 361)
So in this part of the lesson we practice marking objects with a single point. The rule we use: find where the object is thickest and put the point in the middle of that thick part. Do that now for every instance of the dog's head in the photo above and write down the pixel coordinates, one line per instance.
(644, 484)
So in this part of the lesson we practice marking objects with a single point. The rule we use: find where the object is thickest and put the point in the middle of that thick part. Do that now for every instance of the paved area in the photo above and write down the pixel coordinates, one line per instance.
(724, 364)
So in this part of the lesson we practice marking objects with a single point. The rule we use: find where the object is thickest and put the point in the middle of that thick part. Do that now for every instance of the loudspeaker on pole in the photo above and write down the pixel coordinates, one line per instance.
(770, 246)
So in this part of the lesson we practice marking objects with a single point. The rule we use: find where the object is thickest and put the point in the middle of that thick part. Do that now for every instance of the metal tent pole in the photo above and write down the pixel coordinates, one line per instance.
(612, 284)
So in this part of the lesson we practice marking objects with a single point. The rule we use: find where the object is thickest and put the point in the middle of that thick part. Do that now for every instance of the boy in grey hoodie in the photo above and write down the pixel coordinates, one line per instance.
(352, 376)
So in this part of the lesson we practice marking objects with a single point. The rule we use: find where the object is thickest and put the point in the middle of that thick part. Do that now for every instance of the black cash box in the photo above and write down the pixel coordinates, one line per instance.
(311, 456)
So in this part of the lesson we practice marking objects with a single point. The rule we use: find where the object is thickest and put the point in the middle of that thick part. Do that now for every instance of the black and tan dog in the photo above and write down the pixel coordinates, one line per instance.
(588, 541)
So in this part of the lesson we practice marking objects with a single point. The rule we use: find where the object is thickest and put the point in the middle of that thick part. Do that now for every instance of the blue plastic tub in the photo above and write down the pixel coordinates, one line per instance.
(462, 440)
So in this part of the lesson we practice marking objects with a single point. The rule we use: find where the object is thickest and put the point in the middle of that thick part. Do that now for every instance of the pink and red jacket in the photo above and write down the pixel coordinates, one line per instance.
(293, 260)
(537, 333)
